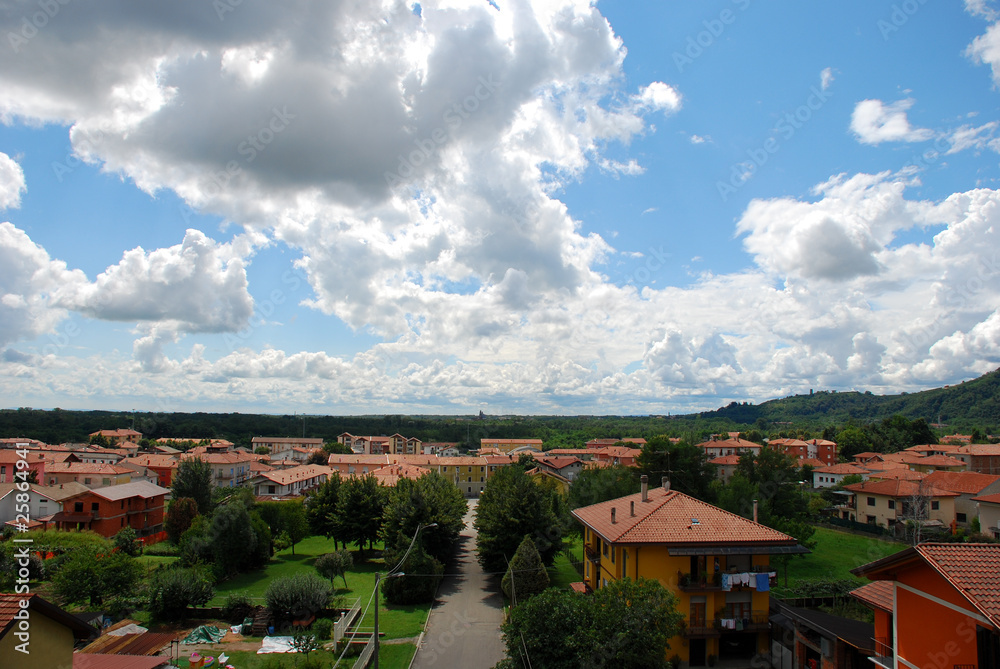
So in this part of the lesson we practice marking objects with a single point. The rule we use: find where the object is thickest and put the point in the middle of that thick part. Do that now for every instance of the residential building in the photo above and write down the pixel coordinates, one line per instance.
(585, 454)
(278, 445)
(229, 469)
(43, 502)
(618, 455)
(106, 511)
(716, 563)
(10, 460)
(988, 509)
(289, 482)
(797, 449)
(982, 458)
(809, 638)
(832, 475)
(891, 502)
(120, 436)
(725, 466)
(92, 475)
(508, 445)
(50, 638)
(638, 442)
(164, 466)
(945, 606)
(878, 596)
(715, 448)
(566, 467)
(549, 479)
(967, 485)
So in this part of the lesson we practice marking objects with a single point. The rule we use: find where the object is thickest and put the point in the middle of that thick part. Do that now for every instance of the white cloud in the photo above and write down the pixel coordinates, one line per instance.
(11, 182)
(980, 8)
(826, 78)
(699, 139)
(874, 122)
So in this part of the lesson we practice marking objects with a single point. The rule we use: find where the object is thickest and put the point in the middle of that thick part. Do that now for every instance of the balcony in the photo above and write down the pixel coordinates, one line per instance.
(883, 656)
(699, 628)
(591, 555)
(698, 582)
(735, 621)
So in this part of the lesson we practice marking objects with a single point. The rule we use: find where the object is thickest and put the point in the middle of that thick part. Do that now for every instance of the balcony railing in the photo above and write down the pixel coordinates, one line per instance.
(883, 652)
(730, 621)
(699, 627)
(693, 582)
(591, 555)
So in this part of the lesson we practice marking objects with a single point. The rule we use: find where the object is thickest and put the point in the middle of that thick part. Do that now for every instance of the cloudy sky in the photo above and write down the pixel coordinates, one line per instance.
(558, 206)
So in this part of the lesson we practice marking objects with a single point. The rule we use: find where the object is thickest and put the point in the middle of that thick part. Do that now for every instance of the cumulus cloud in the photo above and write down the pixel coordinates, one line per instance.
(11, 182)
(874, 122)
(985, 50)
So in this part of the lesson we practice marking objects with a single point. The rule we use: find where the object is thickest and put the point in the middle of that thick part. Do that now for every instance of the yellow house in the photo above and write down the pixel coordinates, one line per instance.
(717, 564)
(892, 502)
(35, 633)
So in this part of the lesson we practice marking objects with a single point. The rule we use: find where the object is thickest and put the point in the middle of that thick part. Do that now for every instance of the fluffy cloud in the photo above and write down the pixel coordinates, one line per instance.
(874, 122)
(11, 182)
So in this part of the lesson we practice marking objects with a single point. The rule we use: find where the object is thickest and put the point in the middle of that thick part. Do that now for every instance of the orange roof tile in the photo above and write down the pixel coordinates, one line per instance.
(898, 473)
(725, 460)
(877, 594)
(294, 474)
(671, 517)
(845, 468)
(897, 488)
(969, 483)
(972, 569)
(85, 468)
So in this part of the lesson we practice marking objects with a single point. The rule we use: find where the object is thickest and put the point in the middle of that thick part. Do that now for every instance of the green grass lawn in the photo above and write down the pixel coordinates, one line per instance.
(835, 554)
(395, 622)
(564, 570)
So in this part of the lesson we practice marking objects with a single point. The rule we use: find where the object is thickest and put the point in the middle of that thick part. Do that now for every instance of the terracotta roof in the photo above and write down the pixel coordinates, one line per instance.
(725, 460)
(979, 449)
(56, 493)
(845, 468)
(734, 442)
(294, 474)
(867, 455)
(286, 440)
(153, 460)
(821, 442)
(10, 604)
(10, 456)
(619, 452)
(143, 489)
(940, 461)
(85, 468)
(897, 488)
(786, 442)
(671, 517)
(812, 462)
(101, 661)
(969, 483)
(877, 594)
(229, 458)
(972, 569)
(557, 463)
(897, 473)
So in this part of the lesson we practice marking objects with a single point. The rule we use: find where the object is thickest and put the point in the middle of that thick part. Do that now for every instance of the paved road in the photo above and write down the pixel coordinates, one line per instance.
(463, 628)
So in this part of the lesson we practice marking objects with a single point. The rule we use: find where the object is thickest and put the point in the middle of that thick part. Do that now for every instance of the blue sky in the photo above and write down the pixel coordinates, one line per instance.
(537, 207)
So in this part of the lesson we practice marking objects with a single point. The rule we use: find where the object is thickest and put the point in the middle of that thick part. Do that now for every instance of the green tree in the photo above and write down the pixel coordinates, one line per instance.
(360, 507)
(684, 463)
(601, 484)
(194, 479)
(851, 441)
(625, 624)
(417, 579)
(297, 596)
(526, 576)
(127, 542)
(510, 508)
(180, 515)
(430, 499)
(321, 509)
(332, 565)
(90, 577)
(285, 519)
(172, 590)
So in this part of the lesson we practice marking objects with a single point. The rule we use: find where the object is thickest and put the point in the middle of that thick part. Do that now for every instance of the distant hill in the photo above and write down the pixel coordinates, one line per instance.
(970, 403)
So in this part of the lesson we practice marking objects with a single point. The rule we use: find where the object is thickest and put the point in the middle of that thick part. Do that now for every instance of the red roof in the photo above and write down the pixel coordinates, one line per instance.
(969, 483)
(845, 468)
(877, 594)
(898, 488)
(990, 499)
(725, 460)
(671, 517)
(97, 661)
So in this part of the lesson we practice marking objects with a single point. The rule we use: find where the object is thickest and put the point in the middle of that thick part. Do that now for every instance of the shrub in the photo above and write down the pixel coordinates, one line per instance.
(162, 549)
(336, 564)
(323, 629)
(172, 590)
(127, 542)
(296, 596)
(238, 607)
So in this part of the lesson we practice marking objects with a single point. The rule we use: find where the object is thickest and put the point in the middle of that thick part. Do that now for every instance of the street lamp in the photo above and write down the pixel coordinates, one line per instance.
(394, 573)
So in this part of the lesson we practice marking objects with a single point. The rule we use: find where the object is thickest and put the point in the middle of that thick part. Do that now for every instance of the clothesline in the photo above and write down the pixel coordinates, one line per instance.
(760, 581)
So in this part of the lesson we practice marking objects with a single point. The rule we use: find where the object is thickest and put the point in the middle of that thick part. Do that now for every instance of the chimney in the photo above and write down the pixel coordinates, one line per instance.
(644, 480)
(755, 511)
(632, 507)
(613, 521)
(665, 482)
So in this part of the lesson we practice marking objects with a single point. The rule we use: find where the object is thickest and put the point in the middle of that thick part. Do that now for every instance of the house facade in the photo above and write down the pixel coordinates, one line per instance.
(107, 511)
(891, 502)
(228, 469)
(830, 476)
(289, 482)
(716, 563)
(945, 606)
(9, 463)
(89, 474)
(279, 445)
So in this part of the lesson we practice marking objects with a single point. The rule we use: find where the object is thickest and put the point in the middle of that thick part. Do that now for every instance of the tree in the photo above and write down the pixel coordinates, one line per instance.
(334, 564)
(684, 463)
(418, 577)
(360, 509)
(625, 624)
(262, 450)
(318, 458)
(297, 596)
(172, 590)
(601, 484)
(180, 515)
(413, 504)
(91, 577)
(526, 576)
(285, 519)
(321, 505)
(127, 542)
(510, 508)
(194, 479)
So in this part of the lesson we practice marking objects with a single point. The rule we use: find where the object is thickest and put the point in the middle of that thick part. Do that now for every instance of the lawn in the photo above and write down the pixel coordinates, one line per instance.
(835, 554)
(394, 621)
(564, 570)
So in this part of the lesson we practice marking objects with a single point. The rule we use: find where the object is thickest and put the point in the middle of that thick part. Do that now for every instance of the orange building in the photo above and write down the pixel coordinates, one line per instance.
(939, 606)
(107, 510)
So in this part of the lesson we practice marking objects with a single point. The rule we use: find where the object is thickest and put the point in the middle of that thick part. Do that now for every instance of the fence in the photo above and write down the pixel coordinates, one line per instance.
(366, 654)
(858, 527)
(345, 621)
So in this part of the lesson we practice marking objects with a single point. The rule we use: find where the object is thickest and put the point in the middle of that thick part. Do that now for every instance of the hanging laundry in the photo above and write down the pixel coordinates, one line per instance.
(763, 582)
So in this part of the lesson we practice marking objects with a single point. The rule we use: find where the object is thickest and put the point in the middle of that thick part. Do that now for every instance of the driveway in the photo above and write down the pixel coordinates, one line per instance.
(463, 628)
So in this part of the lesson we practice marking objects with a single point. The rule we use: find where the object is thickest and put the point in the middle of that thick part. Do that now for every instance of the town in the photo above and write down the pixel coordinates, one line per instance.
(183, 552)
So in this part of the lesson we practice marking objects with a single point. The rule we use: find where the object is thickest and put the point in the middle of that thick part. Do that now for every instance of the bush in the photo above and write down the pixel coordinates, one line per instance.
(336, 564)
(162, 549)
(297, 596)
(420, 582)
(127, 542)
(172, 590)
(527, 575)
(323, 629)
(238, 607)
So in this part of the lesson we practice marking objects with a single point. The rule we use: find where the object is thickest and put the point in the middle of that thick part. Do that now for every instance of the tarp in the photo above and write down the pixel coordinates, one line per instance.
(276, 644)
(131, 628)
(205, 634)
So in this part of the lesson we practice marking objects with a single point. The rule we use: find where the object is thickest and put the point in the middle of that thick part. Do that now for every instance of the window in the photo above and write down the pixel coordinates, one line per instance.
(86, 481)
(470, 470)
(604, 548)
(892, 504)
(624, 563)
(613, 551)
(270, 490)
(961, 517)
(871, 501)
(78, 507)
(935, 506)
